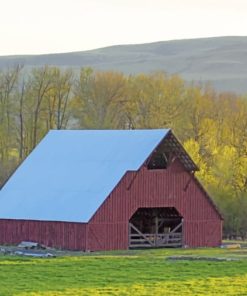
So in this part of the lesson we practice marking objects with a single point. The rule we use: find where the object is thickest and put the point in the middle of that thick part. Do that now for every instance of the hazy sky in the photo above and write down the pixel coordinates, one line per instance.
(45, 26)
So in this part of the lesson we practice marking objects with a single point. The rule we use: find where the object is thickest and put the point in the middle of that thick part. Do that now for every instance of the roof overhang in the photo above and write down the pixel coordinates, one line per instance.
(170, 144)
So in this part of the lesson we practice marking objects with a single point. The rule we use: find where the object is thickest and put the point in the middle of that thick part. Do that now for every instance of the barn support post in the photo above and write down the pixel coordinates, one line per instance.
(129, 235)
(183, 239)
(156, 229)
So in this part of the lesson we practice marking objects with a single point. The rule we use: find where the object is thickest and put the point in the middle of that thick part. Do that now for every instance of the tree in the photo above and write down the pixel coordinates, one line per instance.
(58, 98)
(8, 83)
(99, 99)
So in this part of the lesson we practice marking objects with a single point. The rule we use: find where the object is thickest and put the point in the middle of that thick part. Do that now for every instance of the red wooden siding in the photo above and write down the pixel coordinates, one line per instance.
(108, 228)
(173, 187)
(53, 234)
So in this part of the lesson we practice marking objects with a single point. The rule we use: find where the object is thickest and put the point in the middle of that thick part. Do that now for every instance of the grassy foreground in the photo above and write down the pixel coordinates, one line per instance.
(126, 273)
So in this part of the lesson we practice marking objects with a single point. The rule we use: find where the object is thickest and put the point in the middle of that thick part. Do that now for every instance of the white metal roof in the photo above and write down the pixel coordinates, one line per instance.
(71, 172)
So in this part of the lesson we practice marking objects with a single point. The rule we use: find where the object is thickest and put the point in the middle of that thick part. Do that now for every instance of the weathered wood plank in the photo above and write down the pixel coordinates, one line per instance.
(177, 227)
(141, 234)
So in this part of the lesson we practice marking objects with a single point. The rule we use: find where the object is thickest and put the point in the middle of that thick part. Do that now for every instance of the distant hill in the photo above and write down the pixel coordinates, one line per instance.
(220, 60)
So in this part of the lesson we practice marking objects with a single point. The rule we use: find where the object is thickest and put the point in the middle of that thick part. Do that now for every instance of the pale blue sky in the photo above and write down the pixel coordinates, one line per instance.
(48, 26)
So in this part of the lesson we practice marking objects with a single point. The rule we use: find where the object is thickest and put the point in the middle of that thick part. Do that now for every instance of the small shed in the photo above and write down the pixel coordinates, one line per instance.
(106, 190)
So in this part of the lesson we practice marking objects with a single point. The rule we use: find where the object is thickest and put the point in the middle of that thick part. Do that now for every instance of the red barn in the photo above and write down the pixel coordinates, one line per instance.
(108, 190)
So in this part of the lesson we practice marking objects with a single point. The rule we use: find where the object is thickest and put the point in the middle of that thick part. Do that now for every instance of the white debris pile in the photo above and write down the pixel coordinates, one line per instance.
(26, 248)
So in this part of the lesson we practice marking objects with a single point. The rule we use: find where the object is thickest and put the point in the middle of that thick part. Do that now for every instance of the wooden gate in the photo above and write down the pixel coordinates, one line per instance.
(137, 239)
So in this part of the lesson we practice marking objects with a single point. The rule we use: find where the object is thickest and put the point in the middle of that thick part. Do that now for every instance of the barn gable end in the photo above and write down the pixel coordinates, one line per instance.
(174, 187)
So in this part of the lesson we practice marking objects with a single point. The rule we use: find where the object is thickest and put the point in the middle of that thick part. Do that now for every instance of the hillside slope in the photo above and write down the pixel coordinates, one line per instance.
(220, 60)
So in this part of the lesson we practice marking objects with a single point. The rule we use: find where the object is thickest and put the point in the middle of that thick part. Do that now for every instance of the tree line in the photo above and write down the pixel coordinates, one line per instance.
(211, 125)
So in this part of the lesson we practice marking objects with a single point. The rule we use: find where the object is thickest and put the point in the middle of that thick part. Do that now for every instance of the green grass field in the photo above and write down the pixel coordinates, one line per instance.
(146, 272)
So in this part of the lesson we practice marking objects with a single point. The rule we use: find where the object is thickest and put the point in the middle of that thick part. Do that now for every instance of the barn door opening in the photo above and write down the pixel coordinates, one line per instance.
(156, 227)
